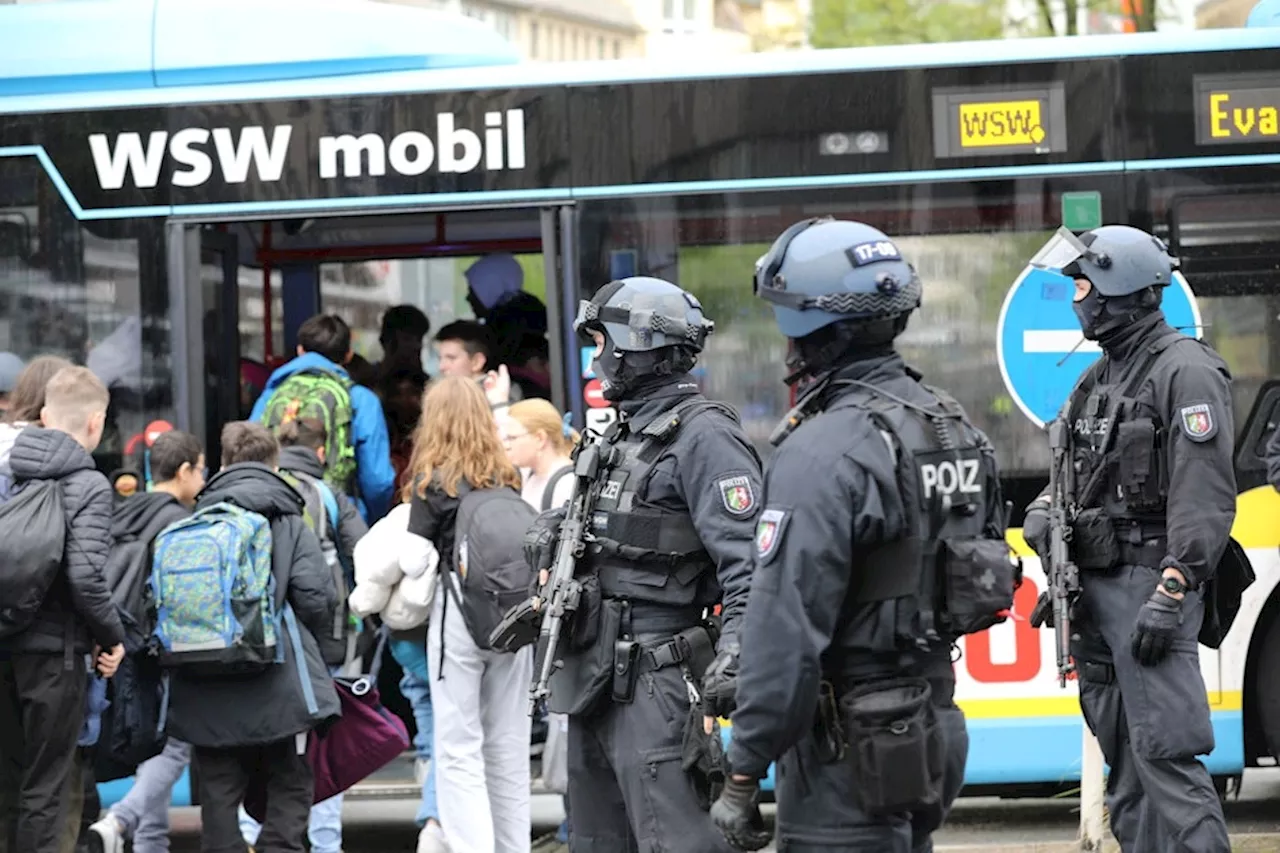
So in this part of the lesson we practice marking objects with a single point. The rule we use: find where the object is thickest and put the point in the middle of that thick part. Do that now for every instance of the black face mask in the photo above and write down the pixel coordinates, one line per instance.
(1091, 312)
(609, 369)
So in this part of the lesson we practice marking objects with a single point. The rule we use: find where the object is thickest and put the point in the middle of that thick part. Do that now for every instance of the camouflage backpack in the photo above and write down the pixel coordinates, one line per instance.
(325, 396)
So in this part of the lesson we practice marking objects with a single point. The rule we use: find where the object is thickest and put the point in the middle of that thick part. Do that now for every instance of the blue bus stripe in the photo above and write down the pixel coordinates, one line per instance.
(567, 194)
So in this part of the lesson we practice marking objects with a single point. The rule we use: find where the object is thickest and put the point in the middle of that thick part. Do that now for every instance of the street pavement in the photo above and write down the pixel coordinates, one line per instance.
(386, 826)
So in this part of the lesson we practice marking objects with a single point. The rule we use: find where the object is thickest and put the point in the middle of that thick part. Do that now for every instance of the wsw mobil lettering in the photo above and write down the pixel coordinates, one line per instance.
(261, 153)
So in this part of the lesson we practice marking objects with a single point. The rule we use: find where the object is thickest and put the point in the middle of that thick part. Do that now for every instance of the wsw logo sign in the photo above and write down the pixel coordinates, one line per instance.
(197, 154)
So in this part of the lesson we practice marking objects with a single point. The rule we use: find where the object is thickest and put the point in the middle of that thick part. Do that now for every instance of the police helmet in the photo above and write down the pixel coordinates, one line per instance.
(822, 271)
(1117, 259)
(642, 314)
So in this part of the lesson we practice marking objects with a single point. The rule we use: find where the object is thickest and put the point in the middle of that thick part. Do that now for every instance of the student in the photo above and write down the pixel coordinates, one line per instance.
(359, 454)
(25, 403)
(42, 691)
(539, 441)
(243, 726)
(464, 348)
(178, 465)
(481, 738)
(301, 461)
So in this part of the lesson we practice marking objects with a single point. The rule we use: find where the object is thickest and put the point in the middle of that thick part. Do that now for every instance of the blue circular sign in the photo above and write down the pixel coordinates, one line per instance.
(1039, 345)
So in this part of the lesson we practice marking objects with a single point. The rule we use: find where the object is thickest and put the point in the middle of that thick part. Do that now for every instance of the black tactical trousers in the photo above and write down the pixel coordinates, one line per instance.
(1151, 722)
(628, 790)
(41, 712)
(817, 812)
(225, 775)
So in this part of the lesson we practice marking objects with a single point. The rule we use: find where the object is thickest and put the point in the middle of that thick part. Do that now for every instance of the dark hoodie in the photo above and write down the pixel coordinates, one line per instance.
(351, 528)
(138, 520)
(80, 592)
(269, 706)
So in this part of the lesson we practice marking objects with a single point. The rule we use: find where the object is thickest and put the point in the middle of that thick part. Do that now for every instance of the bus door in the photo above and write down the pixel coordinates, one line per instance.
(233, 324)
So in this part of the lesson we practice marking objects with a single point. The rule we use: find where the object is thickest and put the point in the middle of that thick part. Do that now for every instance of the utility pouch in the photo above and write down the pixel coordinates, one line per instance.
(828, 733)
(583, 682)
(1137, 468)
(892, 732)
(1094, 545)
(978, 579)
(585, 628)
(626, 656)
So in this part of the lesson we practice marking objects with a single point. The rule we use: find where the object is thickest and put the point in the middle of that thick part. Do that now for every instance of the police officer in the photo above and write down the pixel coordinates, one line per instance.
(671, 533)
(1151, 437)
(845, 670)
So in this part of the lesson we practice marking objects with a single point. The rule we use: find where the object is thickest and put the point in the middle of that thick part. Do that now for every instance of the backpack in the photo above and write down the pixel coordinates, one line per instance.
(133, 724)
(320, 512)
(33, 536)
(549, 491)
(213, 593)
(325, 396)
(491, 573)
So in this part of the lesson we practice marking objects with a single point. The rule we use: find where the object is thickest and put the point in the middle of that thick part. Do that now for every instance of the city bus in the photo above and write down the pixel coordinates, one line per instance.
(181, 185)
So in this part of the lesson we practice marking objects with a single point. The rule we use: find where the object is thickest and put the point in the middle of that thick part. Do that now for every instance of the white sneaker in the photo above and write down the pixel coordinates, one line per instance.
(106, 835)
(421, 766)
(431, 839)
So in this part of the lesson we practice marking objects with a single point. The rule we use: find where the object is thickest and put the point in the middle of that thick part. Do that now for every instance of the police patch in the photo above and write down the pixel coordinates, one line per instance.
(737, 494)
(1198, 422)
(769, 532)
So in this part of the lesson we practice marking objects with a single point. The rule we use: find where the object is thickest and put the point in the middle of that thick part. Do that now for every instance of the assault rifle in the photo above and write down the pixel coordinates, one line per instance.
(1062, 573)
(562, 593)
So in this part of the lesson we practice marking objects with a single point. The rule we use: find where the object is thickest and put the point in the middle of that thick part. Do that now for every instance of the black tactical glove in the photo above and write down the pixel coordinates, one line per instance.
(1158, 623)
(540, 539)
(720, 683)
(519, 628)
(737, 815)
(1035, 529)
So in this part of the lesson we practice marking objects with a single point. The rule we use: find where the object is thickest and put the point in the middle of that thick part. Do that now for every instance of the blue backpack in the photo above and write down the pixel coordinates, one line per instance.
(214, 593)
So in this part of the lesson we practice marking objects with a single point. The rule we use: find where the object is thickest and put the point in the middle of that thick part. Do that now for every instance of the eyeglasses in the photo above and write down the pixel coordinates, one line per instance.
(508, 439)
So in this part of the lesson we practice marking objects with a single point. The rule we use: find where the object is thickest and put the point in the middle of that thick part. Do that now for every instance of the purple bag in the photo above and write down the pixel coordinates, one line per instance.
(366, 738)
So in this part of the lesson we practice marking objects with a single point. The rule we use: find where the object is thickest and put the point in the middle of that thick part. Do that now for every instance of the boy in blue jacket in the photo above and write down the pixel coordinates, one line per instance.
(324, 348)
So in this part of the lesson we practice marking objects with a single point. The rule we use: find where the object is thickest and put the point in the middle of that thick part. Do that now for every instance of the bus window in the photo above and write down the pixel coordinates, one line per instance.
(968, 242)
(92, 293)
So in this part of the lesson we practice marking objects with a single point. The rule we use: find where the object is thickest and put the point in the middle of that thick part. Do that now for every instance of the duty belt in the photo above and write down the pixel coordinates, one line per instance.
(692, 647)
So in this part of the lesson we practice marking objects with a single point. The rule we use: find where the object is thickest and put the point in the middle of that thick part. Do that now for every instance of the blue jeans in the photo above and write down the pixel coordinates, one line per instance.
(415, 686)
(324, 829)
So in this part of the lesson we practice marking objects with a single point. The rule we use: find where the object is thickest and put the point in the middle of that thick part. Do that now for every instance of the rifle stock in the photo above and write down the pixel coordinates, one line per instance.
(1062, 573)
(563, 589)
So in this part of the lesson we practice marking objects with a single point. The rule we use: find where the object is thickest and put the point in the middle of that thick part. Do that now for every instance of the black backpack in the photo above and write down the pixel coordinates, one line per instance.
(33, 536)
(491, 574)
(1223, 592)
(133, 727)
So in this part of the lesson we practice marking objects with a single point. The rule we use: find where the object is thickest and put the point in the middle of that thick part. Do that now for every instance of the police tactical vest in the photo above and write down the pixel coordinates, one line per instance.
(951, 573)
(1119, 440)
(641, 551)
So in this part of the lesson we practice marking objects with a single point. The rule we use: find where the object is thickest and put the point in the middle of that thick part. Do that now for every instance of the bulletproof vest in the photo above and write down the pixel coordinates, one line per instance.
(1118, 439)
(642, 551)
(946, 490)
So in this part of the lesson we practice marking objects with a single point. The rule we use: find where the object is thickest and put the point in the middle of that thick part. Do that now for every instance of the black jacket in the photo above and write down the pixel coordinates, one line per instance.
(351, 529)
(269, 706)
(138, 520)
(81, 591)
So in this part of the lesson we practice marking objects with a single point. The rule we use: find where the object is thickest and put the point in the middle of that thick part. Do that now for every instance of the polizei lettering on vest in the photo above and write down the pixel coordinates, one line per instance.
(455, 149)
(236, 152)
(950, 477)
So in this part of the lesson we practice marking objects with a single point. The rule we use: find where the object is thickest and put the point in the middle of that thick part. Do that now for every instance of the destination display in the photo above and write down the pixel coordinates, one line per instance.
(999, 120)
(1234, 108)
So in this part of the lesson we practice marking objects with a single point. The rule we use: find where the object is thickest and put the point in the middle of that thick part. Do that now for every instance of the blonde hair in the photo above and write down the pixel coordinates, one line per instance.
(456, 440)
(73, 396)
(539, 416)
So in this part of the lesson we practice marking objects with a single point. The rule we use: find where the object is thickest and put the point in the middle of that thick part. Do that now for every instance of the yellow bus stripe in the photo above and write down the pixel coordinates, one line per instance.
(1057, 706)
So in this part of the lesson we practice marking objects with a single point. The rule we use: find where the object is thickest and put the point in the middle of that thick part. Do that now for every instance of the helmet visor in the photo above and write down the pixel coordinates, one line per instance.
(1062, 250)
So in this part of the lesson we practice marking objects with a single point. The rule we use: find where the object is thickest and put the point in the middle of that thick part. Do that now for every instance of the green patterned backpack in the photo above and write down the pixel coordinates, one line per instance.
(325, 396)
